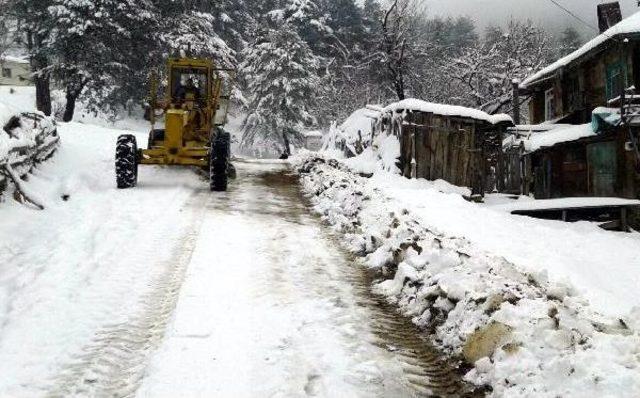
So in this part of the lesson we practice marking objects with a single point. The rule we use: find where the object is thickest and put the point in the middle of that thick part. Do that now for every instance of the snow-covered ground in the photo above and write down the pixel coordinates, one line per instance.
(85, 264)
(268, 308)
(170, 290)
(541, 308)
(601, 265)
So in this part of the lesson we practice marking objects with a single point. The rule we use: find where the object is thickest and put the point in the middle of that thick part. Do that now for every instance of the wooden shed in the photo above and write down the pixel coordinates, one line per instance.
(577, 161)
(460, 145)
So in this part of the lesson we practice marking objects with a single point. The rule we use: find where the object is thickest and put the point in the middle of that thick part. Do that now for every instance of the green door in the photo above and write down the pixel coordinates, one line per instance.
(603, 168)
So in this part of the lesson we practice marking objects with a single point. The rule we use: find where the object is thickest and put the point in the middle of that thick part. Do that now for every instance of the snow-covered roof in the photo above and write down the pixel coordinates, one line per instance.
(542, 139)
(17, 60)
(626, 26)
(313, 133)
(413, 104)
(359, 120)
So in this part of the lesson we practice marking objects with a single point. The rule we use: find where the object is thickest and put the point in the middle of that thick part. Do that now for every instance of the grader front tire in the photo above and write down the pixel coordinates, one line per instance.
(126, 161)
(219, 162)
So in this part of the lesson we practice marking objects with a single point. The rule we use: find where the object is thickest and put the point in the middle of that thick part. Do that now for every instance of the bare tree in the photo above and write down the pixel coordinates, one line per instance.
(395, 40)
(483, 76)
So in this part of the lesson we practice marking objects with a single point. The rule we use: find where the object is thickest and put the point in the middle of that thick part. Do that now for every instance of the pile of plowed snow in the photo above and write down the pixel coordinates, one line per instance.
(524, 334)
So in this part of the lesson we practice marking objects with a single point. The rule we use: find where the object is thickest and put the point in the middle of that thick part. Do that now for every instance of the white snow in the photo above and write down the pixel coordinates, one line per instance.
(10, 58)
(566, 203)
(561, 291)
(313, 134)
(563, 133)
(265, 310)
(574, 253)
(413, 104)
(250, 289)
(71, 271)
(23, 100)
(356, 127)
(629, 25)
(359, 121)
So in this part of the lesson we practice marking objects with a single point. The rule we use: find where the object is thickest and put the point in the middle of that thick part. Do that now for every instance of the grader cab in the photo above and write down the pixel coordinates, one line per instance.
(194, 110)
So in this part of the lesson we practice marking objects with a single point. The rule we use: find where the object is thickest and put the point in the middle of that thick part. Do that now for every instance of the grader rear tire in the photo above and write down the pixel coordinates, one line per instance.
(219, 162)
(126, 161)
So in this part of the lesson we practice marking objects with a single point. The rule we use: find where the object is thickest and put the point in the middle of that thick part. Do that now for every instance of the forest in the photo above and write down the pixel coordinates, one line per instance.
(300, 63)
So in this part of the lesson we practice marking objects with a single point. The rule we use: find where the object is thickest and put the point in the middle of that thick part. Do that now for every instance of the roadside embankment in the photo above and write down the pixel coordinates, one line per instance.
(522, 333)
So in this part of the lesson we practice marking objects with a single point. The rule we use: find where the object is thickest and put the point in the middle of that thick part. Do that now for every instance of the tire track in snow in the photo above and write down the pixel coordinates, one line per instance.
(425, 371)
(114, 362)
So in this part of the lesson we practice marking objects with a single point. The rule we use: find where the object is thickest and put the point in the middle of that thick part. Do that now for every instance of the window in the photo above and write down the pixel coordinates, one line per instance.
(616, 79)
(6, 72)
(574, 95)
(193, 80)
(549, 105)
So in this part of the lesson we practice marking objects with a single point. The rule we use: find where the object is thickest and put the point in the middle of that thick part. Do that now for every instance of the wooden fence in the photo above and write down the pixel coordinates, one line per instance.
(35, 139)
(460, 150)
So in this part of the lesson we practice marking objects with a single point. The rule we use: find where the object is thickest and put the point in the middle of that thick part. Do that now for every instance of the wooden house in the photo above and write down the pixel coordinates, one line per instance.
(460, 145)
(14, 71)
(595, 75)
(589, 142)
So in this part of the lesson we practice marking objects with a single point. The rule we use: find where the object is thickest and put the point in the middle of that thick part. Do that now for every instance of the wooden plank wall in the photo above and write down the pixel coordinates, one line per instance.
(447, 148)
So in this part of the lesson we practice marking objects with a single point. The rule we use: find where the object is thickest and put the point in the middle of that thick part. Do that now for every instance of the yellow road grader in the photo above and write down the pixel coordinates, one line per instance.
(194, 109)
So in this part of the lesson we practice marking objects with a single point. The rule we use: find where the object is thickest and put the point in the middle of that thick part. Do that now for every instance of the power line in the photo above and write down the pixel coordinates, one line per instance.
(563, 8)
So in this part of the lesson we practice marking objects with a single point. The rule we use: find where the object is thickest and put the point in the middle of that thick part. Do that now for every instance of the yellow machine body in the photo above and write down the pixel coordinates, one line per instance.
(193, 107)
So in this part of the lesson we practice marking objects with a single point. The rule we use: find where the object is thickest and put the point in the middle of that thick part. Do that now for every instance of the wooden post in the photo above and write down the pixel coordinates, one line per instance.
(413, 153)
(516, 101)
(624, 226)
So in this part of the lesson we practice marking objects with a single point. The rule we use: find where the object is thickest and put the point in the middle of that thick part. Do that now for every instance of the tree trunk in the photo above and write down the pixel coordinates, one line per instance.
(399, 86)
(70, 106)
(285, 137)
(42, 80)
(43, 93)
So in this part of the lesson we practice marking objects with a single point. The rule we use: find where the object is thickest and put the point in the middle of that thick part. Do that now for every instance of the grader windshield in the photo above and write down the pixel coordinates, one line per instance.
(189, 83)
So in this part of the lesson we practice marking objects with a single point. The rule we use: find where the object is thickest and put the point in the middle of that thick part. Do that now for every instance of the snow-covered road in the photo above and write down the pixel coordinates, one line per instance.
(169, 290)
(271, 308)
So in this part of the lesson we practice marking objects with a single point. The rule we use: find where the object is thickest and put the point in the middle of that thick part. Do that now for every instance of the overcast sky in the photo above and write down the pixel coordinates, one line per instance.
(486, 12)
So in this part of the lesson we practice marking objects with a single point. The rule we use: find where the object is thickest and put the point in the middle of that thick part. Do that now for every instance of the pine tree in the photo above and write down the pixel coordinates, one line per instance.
(280, 71)
(95, 40)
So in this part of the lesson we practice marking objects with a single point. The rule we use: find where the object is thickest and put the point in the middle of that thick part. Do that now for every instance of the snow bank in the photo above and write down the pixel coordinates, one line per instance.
(626, 26)
(382, 155)
(354, 134)
(526, 334)
(412, 104)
